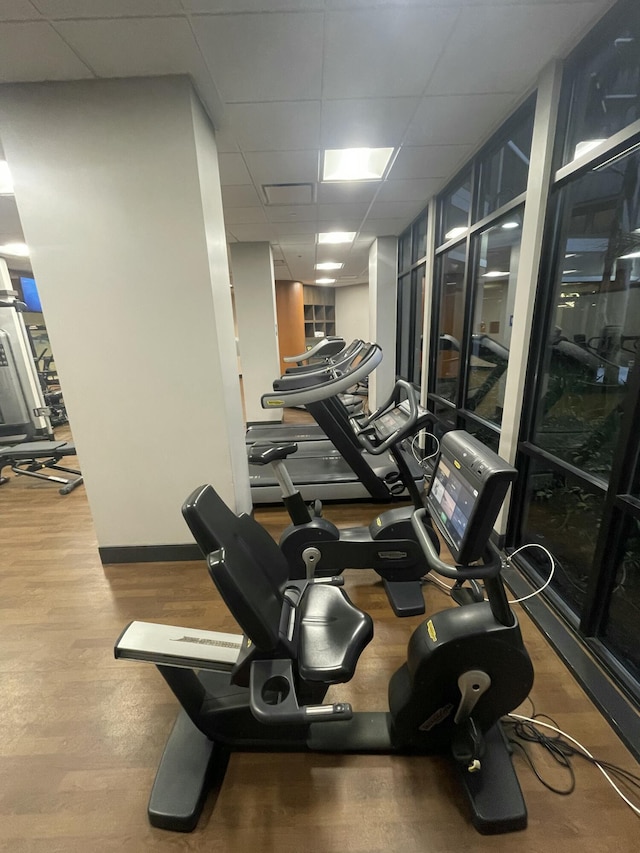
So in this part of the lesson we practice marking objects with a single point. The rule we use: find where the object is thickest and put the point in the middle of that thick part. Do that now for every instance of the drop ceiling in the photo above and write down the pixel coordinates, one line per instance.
(284, 79)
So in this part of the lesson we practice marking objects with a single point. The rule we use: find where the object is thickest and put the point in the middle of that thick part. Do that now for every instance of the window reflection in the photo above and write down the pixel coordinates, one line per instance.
(592, 342)
(606, 88)
(456, 205)
(564, 517)
(622, 628)
(450, 322)
(504, 172)
(497, 256)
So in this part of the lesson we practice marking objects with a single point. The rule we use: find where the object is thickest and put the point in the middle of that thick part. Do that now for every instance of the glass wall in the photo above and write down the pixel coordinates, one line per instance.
(412, 247)
(580, 442)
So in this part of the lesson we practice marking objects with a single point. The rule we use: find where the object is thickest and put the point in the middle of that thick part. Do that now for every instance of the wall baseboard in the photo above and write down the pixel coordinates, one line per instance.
(149, 554)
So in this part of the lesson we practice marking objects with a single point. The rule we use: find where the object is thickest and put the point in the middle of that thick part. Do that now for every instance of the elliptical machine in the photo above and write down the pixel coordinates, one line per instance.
(466, 667)
(314, 546)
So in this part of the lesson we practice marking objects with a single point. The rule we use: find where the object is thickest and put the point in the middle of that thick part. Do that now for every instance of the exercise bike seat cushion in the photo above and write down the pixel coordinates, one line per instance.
(265, 452)
(331, 632)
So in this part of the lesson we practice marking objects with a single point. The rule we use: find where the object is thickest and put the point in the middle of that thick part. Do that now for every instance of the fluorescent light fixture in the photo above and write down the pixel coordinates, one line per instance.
(567, 272)
(630, 255)
(329, 265)
(336, 237)
(455, 232)
(325, 281)
(584, 146)
(355, 164)
(6, 183)
(17, 250)
(495, 274)
(510, 224)
(572, 255)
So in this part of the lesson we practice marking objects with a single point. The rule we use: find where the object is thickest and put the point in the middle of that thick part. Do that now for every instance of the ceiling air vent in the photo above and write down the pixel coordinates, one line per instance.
(288, 193)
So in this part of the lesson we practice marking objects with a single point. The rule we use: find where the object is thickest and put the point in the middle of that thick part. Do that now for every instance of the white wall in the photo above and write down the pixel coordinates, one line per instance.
(383, 286)
(255, 299)
(352, 312)
(118, 192)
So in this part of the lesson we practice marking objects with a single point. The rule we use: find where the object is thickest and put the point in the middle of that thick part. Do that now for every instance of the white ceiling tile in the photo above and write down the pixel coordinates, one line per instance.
(365, 122)
(292, 213)
(225, 141)
(18, 10)
(252, 5)
(395, 209)
(384, 227)
(278, 167)
(342, 211)
(134, 46)
(243, 216)
(497, 42)
(455, 119)
(240, 196)
(422, 188)
(296, 228)
(383, 52)
(34, 51)
(233, 169)
(338, 192)
(254, 233)
(278, 125)
(433, 161)
(59, 9)
(267, 57)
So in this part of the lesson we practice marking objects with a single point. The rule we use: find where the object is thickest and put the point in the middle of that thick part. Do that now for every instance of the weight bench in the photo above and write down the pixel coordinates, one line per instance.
(30, 457)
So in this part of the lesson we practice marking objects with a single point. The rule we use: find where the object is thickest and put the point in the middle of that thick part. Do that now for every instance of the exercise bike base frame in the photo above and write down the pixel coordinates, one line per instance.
(192, 766)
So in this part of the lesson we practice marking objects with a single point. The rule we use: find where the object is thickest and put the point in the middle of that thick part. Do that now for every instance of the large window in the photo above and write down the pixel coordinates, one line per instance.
(412, 247)
(497, 252)
(505, 168)
(450, 322)
(594, 325)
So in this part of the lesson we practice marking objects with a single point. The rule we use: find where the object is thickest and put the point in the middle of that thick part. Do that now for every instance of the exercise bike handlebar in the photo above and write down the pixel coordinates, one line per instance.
(491, 569)
(329, 388)
(360, 426)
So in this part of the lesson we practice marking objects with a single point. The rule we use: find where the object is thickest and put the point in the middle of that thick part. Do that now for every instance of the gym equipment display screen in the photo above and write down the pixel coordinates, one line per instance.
(453, 499)
(467, 490)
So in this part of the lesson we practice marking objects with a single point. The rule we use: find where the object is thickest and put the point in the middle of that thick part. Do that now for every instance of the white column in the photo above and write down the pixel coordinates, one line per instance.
(255, 298)
(383, 272)
(538, 185)
(118, 191)
(352, 312)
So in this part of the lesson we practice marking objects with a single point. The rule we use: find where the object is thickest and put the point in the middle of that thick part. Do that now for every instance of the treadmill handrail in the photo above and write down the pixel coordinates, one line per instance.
(360, 427)
(300, 397)
(324, 371)
(317, 348)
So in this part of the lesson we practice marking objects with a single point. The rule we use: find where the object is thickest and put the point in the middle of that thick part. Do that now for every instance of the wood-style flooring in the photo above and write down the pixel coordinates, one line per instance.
(81, 734)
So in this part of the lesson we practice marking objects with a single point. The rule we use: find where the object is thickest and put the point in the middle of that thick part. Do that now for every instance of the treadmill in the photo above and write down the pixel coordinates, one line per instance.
(355, 474)
(334, 360)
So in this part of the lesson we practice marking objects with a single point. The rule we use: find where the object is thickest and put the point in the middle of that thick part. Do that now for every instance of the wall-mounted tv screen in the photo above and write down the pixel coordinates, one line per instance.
(30, 293)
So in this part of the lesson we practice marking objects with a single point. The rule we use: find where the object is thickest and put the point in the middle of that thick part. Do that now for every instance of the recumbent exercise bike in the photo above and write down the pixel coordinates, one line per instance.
(263, 691)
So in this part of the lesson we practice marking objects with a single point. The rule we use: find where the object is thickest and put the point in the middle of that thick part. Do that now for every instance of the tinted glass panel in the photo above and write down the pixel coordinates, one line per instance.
(497, 254)
(419, 245)
(622, 627)
(418, 276)
(403, 328)
(454, 219)
(483, 433)
(564, 517)
(450, 322)
(504, 172)
(606, 86)
(591, 344)
(404, 251)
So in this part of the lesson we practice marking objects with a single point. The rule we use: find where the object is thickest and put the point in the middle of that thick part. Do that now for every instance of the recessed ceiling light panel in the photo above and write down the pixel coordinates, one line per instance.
(355, 164)
(329, 265)
(6, 183)
(325, 281)
(336, 237)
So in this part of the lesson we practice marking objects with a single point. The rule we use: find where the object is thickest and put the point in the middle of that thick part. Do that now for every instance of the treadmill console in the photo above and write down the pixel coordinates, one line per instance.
(467, 490)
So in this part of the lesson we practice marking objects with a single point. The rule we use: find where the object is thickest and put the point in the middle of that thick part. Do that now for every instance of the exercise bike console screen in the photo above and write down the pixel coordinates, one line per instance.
(467, 490)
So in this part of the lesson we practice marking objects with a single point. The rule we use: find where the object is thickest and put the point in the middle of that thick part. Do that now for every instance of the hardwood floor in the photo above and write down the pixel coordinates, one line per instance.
(81, 733)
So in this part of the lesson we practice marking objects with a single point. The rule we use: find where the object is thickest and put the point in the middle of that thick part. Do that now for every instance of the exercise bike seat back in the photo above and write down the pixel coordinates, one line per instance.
(313, 624)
